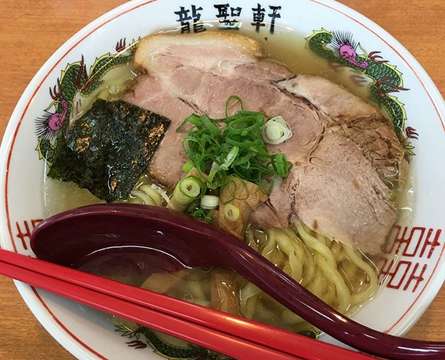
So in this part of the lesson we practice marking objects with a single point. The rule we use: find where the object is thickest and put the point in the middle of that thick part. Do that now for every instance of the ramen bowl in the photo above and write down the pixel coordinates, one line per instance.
(409, 281)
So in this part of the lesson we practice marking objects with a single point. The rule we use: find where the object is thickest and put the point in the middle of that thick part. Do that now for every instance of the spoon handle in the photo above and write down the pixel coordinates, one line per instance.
(288, 292)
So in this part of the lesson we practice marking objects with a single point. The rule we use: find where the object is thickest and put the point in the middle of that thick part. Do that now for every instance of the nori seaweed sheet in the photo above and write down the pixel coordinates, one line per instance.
(108, 149)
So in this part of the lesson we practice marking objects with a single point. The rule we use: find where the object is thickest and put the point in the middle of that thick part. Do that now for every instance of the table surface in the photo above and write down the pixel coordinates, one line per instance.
(30, 30)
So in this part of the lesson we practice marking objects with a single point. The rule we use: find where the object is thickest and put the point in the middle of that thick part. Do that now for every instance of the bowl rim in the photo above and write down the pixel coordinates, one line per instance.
(32, 297)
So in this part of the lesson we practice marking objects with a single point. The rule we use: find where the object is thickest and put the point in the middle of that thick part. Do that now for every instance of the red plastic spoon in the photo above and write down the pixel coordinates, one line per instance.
(71, 237)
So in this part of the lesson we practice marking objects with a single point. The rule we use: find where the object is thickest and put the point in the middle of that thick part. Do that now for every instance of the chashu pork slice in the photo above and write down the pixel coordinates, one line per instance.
(209, 51)
(344, 190)
(338, 193)
(166, 164)
(329, 98)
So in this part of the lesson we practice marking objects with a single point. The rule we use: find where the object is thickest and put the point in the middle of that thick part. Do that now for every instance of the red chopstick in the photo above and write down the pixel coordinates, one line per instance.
(188, 331)
(211, 329)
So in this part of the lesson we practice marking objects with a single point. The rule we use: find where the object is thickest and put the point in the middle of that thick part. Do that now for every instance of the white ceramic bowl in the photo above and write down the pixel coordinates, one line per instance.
(411, 285)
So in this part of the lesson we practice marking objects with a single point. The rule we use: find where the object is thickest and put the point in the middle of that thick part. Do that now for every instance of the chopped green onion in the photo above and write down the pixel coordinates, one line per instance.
(213, 171)
(209, 202)
(245, 122)
(186, 191)
(281, 165)
(162, 192)
(276, 131)
(187, 166)
(156, 197)
(235, 99)
(190, 186)
(231, 212)
(201, 122)
(145, 198)
(230, 158)
(201, 214)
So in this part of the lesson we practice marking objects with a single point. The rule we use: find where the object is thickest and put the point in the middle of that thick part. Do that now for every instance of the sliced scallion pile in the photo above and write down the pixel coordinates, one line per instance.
(232, 146)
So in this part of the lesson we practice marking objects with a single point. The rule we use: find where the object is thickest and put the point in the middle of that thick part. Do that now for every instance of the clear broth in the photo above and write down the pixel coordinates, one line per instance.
(289, 47)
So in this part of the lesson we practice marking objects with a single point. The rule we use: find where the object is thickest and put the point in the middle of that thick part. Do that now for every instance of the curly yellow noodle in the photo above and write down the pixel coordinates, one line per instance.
(337, 251)
(327, 264)
(264, 313)
(290, 318)
(370, 272)
(317, 245)
(335, 273)
(251, 240)
(309, 267)
(317, 286)
(287, 269)
(248, 299)
(269, 248)
(332, 274)
(330, 296)
(296, 267)
(249, 309)
(196, 289)
(349, 270)
(298, 259)
(292, 250)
